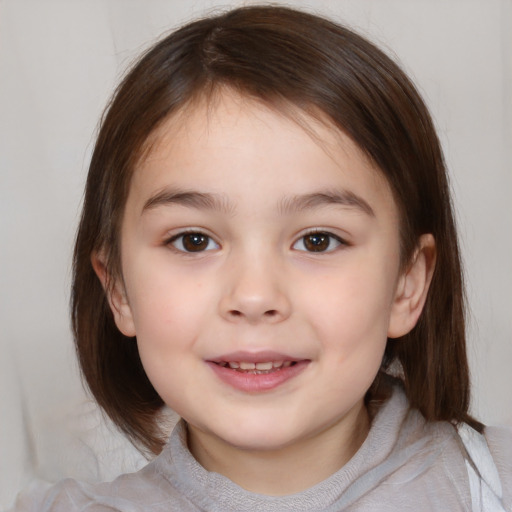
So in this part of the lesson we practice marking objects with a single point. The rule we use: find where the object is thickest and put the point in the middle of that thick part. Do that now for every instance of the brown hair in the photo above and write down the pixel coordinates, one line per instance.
(281, 57)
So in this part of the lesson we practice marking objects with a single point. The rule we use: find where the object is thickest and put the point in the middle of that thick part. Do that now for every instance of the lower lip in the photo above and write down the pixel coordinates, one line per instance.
(257, 382)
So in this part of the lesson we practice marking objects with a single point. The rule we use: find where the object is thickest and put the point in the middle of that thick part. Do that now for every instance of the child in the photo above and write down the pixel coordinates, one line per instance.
(267, 247)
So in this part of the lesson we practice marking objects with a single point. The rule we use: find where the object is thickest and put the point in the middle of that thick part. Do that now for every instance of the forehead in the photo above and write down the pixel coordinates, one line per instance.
(233, 145)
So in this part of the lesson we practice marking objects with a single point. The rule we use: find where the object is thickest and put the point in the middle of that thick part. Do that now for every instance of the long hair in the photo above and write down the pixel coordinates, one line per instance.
(281, 57)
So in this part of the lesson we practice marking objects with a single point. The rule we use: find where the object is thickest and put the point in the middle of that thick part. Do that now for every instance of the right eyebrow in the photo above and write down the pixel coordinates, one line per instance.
(192, 199)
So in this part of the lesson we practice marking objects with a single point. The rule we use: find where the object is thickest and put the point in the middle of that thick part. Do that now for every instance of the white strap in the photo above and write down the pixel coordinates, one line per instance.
(484, 479)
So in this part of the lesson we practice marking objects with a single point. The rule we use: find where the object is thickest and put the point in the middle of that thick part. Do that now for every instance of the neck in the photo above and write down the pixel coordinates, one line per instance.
(286, 470)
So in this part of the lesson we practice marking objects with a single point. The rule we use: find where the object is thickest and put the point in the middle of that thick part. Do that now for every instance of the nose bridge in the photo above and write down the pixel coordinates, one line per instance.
(255, 290)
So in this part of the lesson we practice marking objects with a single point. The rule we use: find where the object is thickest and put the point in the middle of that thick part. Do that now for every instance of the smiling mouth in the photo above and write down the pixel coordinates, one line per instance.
(256, 368)
(257, 373)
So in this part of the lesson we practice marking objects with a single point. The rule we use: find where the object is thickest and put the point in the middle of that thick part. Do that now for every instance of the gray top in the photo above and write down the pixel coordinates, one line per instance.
(405, 463)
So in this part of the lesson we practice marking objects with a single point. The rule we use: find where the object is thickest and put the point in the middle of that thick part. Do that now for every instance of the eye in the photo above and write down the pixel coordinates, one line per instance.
(193, 242)
(318, 241)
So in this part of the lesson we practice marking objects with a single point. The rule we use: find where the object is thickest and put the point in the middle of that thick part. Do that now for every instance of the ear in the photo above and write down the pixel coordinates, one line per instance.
(116, 295)
(412, 288)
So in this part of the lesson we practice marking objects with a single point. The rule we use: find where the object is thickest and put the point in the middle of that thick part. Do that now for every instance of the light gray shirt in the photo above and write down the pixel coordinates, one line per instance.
(405, 463)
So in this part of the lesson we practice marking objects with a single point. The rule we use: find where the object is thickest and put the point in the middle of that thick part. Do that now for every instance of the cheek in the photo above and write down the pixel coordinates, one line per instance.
(169, 314)
(167, 305)
(350, 309)
(351, 324)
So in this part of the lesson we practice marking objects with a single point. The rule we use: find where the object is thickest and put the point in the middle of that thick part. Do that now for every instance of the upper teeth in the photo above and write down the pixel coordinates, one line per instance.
(243, 365)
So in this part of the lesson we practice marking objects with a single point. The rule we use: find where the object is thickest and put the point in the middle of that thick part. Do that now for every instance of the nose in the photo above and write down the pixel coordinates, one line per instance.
(254, 292)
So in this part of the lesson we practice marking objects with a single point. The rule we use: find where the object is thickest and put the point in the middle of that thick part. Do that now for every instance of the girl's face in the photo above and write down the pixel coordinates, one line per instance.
(261, 275)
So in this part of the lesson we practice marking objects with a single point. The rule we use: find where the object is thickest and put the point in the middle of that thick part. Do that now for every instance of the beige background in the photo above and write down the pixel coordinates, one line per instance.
(59, 61)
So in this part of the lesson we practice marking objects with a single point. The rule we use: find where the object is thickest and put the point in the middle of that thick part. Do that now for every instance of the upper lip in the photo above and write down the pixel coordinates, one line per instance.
(254, 357)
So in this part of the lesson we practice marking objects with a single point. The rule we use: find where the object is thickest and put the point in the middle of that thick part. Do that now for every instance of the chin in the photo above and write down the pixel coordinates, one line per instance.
(270, 437)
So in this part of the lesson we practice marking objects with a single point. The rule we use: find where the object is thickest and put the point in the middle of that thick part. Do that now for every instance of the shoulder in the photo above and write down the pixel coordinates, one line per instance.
(132, 492)
(66, 496)
(128, 493)
(499, 440)
(44, 497)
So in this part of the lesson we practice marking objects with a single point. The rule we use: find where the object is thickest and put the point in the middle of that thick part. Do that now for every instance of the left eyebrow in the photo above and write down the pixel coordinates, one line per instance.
(324, 198)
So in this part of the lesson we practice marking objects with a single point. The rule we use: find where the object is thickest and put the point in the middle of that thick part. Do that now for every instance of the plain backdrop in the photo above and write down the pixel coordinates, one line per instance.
(59, 62)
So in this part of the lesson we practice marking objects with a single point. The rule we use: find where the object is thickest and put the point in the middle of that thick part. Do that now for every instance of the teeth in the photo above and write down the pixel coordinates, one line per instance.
(247, 366)
(265, 366)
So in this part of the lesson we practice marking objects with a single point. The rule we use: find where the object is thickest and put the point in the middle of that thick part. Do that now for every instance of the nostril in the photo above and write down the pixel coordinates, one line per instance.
(254, 315)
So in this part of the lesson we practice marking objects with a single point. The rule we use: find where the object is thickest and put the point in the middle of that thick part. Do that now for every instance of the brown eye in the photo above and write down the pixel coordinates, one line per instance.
(193, 242)
(318, 242)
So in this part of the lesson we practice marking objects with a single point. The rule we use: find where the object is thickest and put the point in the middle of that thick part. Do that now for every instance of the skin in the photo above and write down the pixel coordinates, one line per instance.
(255, 286)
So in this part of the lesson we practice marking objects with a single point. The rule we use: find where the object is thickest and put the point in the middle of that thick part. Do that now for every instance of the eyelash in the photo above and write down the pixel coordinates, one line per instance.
(179, 239)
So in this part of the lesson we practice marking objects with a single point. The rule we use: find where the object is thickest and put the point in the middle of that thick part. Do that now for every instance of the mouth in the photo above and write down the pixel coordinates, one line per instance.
(260, 368)
(256, 373)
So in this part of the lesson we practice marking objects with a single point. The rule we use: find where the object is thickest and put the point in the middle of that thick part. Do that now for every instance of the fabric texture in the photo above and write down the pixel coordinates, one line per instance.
(405, 463)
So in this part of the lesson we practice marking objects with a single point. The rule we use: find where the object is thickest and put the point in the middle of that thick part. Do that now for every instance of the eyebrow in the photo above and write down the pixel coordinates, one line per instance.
(325, 198)
(190, 198)
(288, 205)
